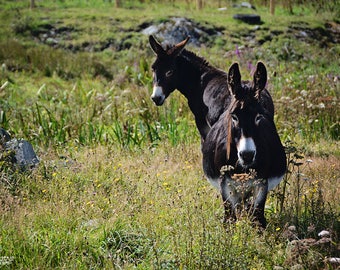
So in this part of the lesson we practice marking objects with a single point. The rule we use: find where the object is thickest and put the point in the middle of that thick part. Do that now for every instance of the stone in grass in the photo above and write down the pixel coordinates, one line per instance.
(24, 155)
(248, 18)
(324, 234)
(334, 261)
(244, 5)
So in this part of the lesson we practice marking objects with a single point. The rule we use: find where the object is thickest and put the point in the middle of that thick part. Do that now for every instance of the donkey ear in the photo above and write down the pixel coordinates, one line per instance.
(234, 79)
(260, 77)
(178, 48)
(156, 46)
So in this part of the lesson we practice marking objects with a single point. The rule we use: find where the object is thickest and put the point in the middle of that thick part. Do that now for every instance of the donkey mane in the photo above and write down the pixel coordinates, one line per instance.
(194, 59)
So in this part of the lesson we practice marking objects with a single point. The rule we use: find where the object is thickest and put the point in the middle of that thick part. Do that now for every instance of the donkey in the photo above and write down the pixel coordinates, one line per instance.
(203, 85)
(243, 153)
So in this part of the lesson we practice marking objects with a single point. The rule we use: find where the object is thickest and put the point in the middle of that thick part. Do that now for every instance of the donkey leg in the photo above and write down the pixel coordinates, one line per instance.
(230, 200)
(260, 196)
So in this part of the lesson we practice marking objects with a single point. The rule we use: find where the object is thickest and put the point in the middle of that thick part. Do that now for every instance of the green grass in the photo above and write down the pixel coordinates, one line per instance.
(120, 183)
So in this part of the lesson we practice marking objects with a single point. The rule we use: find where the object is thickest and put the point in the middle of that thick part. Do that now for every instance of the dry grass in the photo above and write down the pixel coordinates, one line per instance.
(323, 173)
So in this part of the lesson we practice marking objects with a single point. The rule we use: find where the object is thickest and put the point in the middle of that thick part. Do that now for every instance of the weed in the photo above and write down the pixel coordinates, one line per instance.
(126, 247)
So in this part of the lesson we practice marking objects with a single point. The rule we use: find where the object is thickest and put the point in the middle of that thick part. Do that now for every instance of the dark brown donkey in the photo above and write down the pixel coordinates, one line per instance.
(243, 152)
(203, 85)
(210, 93)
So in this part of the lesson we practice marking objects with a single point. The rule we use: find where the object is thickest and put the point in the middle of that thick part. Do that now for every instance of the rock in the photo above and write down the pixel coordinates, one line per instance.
(24, 155)
(335, 261)
(244, 5)
(324, 233)
(248, 18)
(222, 9)
(51, 41)
(176, 29)
(150, 30)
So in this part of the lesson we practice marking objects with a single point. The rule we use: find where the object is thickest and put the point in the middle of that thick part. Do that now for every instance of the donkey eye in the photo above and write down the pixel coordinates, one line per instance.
(234, 118)
(169, 73)
(258, 118)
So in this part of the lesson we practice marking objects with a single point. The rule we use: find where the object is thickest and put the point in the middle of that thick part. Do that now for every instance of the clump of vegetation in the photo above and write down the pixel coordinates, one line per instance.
(126, 247)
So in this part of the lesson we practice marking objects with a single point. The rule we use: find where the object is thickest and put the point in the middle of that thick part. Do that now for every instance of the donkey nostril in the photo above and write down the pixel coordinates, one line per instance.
(247, 156)
(158, 100)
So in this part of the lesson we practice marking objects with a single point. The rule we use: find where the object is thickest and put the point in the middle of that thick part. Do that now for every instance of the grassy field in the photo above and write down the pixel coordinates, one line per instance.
(120, 183)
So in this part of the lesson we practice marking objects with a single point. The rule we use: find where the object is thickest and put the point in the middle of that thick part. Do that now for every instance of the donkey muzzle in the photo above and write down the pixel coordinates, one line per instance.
(157, 95)
(158, 100)
(247, 157)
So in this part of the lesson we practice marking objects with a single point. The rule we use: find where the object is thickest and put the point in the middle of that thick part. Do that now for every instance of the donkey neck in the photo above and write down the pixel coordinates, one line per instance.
(191, 69)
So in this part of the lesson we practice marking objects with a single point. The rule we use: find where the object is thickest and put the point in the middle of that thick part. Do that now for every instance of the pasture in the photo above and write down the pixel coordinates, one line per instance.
(120, 183)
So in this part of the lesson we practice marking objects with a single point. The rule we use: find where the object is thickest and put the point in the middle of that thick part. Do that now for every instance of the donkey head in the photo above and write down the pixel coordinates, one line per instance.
(246, 114)
(165, 74)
